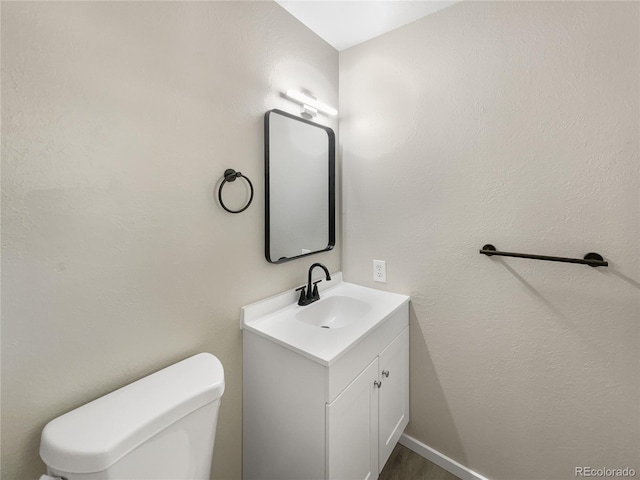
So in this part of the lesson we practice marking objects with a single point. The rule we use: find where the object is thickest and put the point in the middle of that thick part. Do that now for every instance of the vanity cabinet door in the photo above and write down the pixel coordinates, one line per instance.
(352, 430)
(393, 394)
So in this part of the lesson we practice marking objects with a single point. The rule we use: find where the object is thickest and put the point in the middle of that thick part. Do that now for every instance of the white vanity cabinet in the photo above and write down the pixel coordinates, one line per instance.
(364, 423)
(313, 418)
(393, 395)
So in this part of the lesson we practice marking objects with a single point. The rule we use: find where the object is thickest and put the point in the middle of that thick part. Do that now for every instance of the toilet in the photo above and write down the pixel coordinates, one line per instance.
(161, 427)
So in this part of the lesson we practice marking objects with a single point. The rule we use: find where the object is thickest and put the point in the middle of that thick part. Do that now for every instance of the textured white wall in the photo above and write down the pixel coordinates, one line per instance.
(118, 120)
(517, 124)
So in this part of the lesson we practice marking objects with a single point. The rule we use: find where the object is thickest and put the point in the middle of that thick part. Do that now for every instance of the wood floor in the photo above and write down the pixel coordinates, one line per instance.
(403, 464)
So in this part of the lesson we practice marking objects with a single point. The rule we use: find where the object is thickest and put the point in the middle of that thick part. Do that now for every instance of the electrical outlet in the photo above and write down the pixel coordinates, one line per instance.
(380, 271)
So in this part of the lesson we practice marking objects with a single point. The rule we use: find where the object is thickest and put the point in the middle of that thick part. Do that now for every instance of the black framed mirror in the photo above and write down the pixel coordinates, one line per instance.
(299, 176)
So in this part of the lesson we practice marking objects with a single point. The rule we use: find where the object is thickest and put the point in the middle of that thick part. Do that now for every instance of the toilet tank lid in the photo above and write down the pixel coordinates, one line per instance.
(94, 436)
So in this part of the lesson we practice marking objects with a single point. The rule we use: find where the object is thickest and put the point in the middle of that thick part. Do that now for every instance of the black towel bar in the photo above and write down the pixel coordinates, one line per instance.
(592, 259)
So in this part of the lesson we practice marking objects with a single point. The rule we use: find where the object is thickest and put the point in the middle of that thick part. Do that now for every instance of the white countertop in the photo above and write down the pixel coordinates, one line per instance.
(275, 318)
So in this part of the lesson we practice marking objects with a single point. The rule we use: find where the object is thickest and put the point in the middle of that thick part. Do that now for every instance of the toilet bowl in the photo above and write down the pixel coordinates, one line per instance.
(161, 427)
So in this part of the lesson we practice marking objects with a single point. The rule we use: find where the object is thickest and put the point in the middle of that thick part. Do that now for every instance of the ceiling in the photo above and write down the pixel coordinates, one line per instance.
(346, 23)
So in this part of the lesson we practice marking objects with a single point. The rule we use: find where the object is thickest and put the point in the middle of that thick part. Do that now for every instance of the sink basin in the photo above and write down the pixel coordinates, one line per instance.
(326, 329)
(333, 312)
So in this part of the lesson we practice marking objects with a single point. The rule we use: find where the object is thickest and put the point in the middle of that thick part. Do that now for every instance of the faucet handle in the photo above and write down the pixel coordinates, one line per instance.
(303, 295)
(315, 293)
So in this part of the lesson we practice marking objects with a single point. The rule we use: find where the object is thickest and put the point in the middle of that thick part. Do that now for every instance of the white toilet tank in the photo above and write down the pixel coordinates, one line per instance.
(161, 427)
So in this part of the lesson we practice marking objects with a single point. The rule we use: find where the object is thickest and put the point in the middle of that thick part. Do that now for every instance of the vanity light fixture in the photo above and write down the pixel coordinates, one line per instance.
(310, 105)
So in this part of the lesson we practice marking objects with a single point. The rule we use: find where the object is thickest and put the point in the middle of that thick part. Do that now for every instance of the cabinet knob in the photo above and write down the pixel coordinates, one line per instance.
(377, 383)
(385, 373)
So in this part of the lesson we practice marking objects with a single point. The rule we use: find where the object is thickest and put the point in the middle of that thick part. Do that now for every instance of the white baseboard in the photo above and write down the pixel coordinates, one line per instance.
(439, 459)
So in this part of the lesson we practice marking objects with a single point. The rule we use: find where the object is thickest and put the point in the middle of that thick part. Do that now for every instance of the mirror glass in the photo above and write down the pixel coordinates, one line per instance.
(300, 187)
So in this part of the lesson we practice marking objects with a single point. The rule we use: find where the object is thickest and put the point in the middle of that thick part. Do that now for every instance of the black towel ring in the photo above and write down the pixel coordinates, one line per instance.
(230, 175)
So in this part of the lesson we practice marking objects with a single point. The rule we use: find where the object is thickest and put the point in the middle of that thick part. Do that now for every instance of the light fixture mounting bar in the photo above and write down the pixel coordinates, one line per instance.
(309, 101)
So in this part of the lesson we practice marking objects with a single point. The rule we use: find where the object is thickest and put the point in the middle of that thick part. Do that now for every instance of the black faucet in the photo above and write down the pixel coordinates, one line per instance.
(308, 296)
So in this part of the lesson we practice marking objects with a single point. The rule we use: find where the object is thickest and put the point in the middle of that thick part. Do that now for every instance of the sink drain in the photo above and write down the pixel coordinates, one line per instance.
(325, 326)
